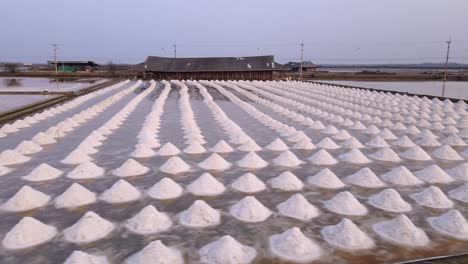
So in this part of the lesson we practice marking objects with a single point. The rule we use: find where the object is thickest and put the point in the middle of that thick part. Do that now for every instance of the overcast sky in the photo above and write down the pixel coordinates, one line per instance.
(333, 31)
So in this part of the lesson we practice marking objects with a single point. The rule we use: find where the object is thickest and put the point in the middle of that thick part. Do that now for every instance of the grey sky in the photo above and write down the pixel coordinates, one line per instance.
(334, 31)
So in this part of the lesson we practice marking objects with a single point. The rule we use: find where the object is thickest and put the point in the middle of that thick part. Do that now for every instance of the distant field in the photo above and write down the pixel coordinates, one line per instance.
(9, 84)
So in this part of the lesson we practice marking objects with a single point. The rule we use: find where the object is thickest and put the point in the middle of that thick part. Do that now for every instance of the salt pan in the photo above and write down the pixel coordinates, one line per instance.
(28, 232)
(149, 221)
(250, 210)
(347, 236)
(292, 245)
(227, 250)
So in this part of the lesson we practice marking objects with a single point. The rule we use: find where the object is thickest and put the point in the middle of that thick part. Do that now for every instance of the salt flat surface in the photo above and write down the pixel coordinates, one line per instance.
(8, 84)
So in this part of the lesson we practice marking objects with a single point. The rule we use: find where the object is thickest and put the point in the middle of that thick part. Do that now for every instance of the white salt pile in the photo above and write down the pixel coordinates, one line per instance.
(286, 181)
(11, 157)
(222, 147)
(120, 192)
(4, 170)
(447, 153)
(249, 146)
(346, 204)
(460, 172)
(432, 197)
(277, 145)
(451, 223)
(304, 144)
(77, 156)
(365, 178)
(195, 148)
(352, 142)
(129, 168)
(174, 165)
(28, 232)
(148, 221)
(75, 196)
(91, 227)
(215, 162)
(248, 183)
(142, 151)
(347, 236)
(86, 170)
(250, 210)
(327, 143)
(416, 153)
(354, 156)
(80, 257)
(454, 140)
(342, 135)
(377, 142)
(404, 142)
(252, 161)
(42, 138)
(460, 193)
(43, 172)
(298, 207)
(385, 154)
(206, 185)
(322, 157)
(401, 176)
(401, 231)
(326, 179)
(25, 199)
(389, 200)
(287, 159)
(227, 250)
(168, 149)
(292, 245)
(200, 214)
(428, 141)
(433, 174)
(156, 253)
(28, 147)
(165, 189)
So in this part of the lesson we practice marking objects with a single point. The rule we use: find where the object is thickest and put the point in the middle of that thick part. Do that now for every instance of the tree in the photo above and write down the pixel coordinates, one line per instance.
(111, 68)
(11, 67)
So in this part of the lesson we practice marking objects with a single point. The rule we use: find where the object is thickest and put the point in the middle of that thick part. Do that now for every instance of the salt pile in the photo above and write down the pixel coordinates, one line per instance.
(86, 170)
(148, 221)
(142, 151)
(25, 199)
(222, 147)
(91, 227)
(168, 149)
(11, 157)
(287, 159)
(80, 257)
(76, 157)
(322, 157)
(248, 183)
(451, 223)
(28, 232)
(351, 143)
(249, 146)
(432, 197)
(342, 135)
(156, 253)
(416, 153)
(460, 172)
(129, 168)
(404, 142)
(286, 181)
(327, 143)
(326, 179)
(454, 140)
(346, 204)
(174, 165)
(4, 170)
(42, 138)
(377, 142)
(195, 148)
(28, 147)
(252, 161)
(347, 236)
(165, 189)
(206, 185)
(385, 154)
(433, 174)
(292, 245)
(389, 200)
(447, 153)
(75, 196)
(401, 176)
(215, 162)
(120, 192)
(298, 207)
(304, 144)
(401, 231)
(428, 141)
(354, 156)
(365, 178)
(250, 210)
(200, 214)
(460, 193)
(43, 172)
(277, 145)
(227, 250)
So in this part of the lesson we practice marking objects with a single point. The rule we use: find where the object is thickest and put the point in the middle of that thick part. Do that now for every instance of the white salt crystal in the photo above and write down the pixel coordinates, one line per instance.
(86, 170)
(91, 227)
(347, 236)
(287, 159)
(200, 214)
(346, 204)
(143, 151)
(250, 210)
(222, 147)
(460, 172)
(75, 196)
(80, 257)
(460, 193)
(206, 185)
(401, 231)
(227, 250)
(377, 142)
(385, 154)
(25, 199)
(432, 197)
(11, 157)
(252, 161)
(433, 174)
(174, 165)
(304, 144)
(248, 183)
(401, 176)
(451, 223)
(404, 142)
(120, 192)
(354, 156)
(286, 181)
(42, 138)
(215, 162)
(156, 253)
(365, 178)
(129, 168)
(322, 157)
(447, 153)
(327, 143)
(416, 153)
(28, 232)
(292, 245)
(249, 146)
(326, 179)
(4, 170)
(77, 156)
(168, 149)
(389, 200)
(148, 221)
(194, 148)
(298, 207)
(165, 189)
(43, 172)
(277, 145)
(28, 147)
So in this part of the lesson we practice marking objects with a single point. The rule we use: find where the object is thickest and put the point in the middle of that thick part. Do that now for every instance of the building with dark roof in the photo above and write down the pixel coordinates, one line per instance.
(73, 66)
(213, 68)
(307, 66)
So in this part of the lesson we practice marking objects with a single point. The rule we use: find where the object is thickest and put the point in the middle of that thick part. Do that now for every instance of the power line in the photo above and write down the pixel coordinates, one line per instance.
(446, 65)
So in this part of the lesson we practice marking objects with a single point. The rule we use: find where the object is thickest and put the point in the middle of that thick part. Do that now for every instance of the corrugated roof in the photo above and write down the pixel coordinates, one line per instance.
(73, 62)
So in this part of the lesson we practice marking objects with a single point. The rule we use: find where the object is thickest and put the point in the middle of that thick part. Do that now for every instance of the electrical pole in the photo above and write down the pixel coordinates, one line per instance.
(55, 46)
(446, 65)
(175, 49)
(302, 58)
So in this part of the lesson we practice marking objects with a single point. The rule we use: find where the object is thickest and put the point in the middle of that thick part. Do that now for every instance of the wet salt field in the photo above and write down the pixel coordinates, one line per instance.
(24, 84)
(373, 177)
(12, 101)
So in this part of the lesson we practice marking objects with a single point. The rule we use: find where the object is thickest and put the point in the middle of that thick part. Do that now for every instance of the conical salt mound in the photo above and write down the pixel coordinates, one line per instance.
(428, 141)
(248, 183)
(447, 153)
(326, 179)
(304, 144)
(77, 156)
(322, 157)
(454, 140)
(143, 151)
(227, 250)
(91, 227)
(156, 253)
(28, 147)
(206, 185)
(129, 168)
(460, 193)
(451, 223)
(42, 138)
(287, 159)
(43, 172)
(25, 199)
(401, 176)
(75, 196)
(168, 149)
(215, 162)
(200, 214)
(250, 210)
(386, 155)
(286, 181)
(4, 170)
(342, 135)
(277, 145)
(433, 174)
(174, 165)
(327, 143)
(86, 170)
(195, 148)
(120, 192)
(222, 147)
(365, 178)
(377, 142)
(28, 232)
(352, 143)
(354, 156)
(298, 207)
(11, 157)
(389, 200)
(249, 146)
(347, 236)
(252, 161)
(148, 221)
(401, 231)
(80, 257)
(292, 245)
(432, 197)
(416, 153)
(460, 172)
(404, 142)
(346, 204)
(165, 189)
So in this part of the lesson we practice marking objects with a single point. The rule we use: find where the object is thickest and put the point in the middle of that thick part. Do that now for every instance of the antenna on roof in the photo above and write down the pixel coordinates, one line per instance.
(302, 58)
(175, 49)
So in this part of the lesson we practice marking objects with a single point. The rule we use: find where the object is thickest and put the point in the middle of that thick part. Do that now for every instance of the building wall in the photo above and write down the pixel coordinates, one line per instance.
(250, 75)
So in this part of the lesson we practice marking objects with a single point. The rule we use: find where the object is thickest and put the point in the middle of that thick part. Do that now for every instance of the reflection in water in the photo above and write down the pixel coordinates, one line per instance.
(12, 82)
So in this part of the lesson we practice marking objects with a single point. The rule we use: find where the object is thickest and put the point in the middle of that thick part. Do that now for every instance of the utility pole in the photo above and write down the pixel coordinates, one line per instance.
(175, 49)
(55, 46)
(302, 59)
(446, 65)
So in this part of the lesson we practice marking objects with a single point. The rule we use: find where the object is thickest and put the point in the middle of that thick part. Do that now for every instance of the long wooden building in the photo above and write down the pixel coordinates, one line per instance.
(213, 68)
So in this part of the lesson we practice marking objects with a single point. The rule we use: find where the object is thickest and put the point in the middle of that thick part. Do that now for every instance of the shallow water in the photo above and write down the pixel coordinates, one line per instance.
(12, 101)
(9, 84)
